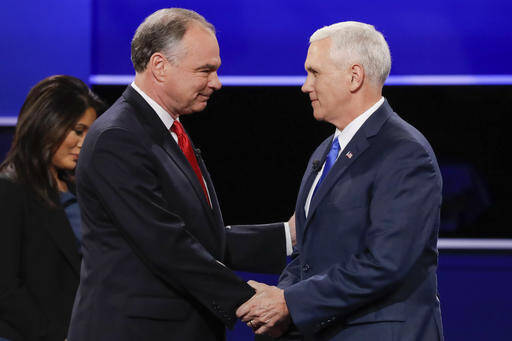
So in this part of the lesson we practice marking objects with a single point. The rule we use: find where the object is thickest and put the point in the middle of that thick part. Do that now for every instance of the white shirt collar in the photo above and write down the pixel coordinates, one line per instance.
(161, 112)
(344, 136)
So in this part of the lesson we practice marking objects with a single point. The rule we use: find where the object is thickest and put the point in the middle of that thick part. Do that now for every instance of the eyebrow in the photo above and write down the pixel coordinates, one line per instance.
(208, 66)
(310, 69)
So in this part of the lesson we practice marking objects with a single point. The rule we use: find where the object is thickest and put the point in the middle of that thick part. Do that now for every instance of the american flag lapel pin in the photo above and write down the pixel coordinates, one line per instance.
(349, 155)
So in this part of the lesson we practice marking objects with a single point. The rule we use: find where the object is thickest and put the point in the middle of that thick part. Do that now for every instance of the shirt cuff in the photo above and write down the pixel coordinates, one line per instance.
(289, 246)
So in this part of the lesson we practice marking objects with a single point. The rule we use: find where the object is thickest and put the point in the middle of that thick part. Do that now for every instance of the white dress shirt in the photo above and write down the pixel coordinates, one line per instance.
(344, 136)
(168, 122)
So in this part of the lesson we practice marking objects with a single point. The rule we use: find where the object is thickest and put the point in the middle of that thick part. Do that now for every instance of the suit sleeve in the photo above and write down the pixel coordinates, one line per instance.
(403, 213)
(290, 274)
(256, 248)
(131, 192)
(17, 307)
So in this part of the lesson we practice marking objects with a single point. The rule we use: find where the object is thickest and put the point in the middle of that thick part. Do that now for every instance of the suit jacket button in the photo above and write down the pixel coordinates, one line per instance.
(306, 267)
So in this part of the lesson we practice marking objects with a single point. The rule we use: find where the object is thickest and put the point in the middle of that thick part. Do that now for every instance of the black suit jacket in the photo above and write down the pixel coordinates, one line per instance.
(39, 266)
(156, 255)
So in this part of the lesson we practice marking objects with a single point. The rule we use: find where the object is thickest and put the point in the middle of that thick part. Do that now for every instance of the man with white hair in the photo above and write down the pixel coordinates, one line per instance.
(367, 213)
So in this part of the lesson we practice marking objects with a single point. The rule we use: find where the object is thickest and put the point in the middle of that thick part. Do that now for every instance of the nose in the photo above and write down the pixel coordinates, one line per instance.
(307, 86)
(81, 140)
(214, 81)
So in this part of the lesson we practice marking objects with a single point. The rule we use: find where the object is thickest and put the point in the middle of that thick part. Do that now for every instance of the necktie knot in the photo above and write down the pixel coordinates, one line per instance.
(335, 148)
(177, 128)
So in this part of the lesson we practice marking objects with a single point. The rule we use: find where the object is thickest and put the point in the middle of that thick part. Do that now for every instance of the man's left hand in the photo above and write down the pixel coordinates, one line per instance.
(266, 312)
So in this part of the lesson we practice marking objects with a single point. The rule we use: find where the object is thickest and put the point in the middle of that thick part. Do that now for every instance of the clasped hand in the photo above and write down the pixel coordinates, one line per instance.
(266, 312)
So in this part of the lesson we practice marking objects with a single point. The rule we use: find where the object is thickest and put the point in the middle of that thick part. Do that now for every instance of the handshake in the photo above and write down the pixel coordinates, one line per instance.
(266, 312)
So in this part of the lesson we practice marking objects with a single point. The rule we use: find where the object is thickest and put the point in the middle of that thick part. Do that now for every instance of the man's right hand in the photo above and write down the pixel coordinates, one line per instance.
(266, 312)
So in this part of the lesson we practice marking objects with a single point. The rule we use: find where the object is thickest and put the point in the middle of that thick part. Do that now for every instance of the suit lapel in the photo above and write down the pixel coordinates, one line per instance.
(303, 195)
(357, 146)
(214, 200)
(57, 225)
(156, 129)
(311, 173)
(209, 184)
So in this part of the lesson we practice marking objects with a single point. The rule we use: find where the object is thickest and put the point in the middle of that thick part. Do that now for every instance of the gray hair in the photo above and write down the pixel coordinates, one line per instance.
(358, 42)
(163, 31)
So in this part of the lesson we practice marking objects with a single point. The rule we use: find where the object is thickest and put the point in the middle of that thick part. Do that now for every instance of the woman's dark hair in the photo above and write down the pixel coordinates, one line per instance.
(52, 108)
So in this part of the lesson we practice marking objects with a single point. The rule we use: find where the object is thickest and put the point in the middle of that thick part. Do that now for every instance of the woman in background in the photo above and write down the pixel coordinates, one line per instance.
(39, 215)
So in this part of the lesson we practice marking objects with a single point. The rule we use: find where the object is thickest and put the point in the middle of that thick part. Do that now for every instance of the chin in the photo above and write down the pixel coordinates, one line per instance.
(199, 106)
(69, 166)
(318, 116)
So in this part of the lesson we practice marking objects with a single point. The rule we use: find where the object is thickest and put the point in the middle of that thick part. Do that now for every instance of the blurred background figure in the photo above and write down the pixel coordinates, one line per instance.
(40, 231)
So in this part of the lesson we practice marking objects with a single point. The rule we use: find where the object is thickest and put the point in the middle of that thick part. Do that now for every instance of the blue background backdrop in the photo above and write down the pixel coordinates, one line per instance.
(472, 37)
(270, 37)
(92, 37)
(39, 39)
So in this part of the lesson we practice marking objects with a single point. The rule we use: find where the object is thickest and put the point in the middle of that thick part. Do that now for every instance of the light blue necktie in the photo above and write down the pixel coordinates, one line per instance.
(331, 159)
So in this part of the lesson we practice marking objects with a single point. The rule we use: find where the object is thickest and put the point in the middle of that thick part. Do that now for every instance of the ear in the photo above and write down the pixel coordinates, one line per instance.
(158, 65)
(357, 77)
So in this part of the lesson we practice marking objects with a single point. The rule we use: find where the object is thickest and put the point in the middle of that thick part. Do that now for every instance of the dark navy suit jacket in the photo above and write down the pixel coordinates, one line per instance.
(39, 266)
(155, 254)
(365, 263)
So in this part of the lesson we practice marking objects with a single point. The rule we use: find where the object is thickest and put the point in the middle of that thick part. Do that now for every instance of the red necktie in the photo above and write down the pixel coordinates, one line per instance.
(186, 148)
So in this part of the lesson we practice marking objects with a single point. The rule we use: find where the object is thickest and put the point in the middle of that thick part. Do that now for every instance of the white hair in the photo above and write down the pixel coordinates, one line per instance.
(353, 41)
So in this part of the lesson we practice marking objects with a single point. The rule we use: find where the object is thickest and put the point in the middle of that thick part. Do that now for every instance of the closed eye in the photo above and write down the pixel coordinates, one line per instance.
(208, 68)
(312, 71)
(80, 129)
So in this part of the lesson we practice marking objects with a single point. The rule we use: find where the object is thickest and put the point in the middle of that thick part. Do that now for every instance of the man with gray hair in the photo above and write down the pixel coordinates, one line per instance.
(155, 249)
(367, 213)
